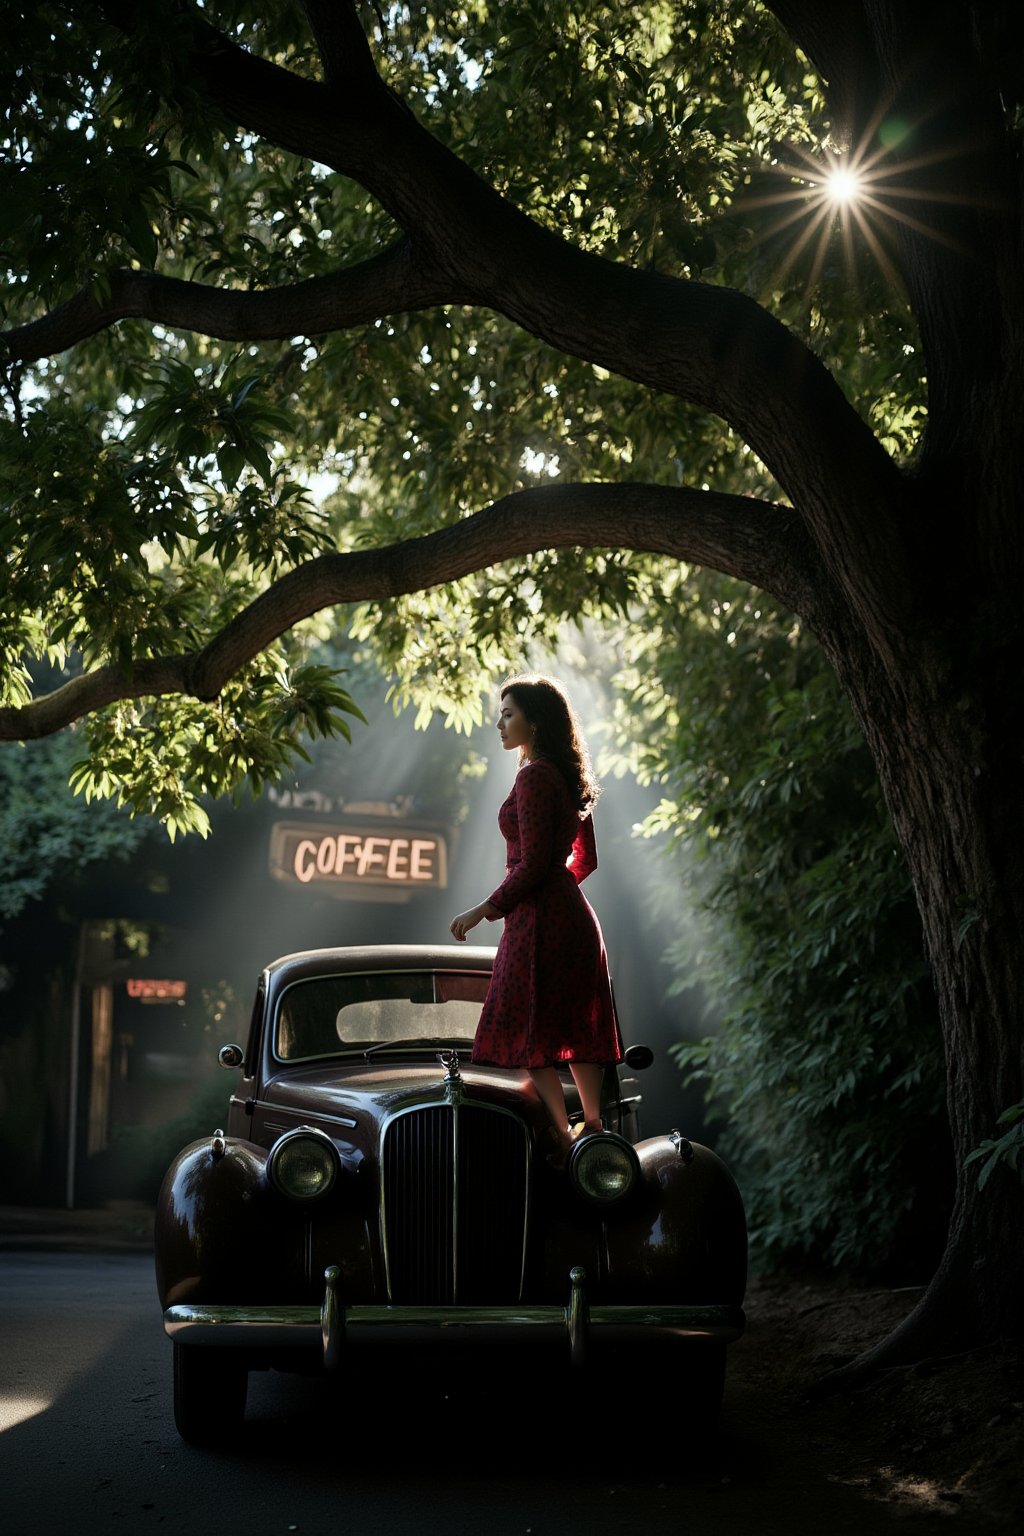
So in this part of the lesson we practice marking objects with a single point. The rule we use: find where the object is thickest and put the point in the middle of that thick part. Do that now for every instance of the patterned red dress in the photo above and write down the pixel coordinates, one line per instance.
(550, 999)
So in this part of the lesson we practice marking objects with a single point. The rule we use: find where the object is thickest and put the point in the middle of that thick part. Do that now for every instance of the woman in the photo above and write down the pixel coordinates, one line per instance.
(549, 1001)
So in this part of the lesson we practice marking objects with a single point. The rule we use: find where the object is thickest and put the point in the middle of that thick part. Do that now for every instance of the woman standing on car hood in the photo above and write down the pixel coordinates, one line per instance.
(549, 1003)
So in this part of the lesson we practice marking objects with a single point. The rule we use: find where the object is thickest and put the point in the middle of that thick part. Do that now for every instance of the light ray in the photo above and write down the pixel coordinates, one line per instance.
(794, 217)
(774, 199)
(798, 246)
(918, 194)
(899, 217)
(824, 237)
(849, 248)
(875, 245)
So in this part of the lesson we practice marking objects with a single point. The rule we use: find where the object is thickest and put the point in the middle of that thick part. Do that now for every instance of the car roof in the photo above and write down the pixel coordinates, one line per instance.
(381, 957)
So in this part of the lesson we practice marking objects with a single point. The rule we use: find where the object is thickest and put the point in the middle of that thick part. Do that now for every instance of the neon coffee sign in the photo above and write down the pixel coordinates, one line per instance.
(385, 859)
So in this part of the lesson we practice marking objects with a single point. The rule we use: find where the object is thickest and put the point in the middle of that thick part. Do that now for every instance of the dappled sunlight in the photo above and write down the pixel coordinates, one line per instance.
(888, 1486)
(536, 463)
(15, 1409)
(922, 1491)
(61, 1322)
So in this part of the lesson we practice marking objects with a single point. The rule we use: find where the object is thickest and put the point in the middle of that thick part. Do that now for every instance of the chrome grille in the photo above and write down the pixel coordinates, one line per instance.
(454, 1206)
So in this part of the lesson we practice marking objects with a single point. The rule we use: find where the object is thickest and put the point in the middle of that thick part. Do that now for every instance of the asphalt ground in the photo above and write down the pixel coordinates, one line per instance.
(122, 1226)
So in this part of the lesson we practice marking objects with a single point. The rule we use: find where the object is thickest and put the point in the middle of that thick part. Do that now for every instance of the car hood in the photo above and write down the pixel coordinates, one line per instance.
(360, 1092)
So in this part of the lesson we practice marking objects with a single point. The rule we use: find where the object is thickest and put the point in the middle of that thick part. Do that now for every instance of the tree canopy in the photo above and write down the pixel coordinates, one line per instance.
(475, 316)
(157, 476)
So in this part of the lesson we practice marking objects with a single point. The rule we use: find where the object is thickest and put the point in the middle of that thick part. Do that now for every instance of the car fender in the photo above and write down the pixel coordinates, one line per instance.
(682, 1235)
(221, 1233)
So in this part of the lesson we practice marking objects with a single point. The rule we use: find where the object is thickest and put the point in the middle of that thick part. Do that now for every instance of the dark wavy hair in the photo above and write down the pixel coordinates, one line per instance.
(557, 734)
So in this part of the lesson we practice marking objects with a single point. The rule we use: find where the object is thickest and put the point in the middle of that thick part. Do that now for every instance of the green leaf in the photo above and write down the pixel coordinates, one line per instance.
(231, 462)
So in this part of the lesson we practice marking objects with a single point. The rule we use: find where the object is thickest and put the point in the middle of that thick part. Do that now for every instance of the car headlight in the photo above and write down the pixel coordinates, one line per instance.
(303, 1164)
(603, 1168)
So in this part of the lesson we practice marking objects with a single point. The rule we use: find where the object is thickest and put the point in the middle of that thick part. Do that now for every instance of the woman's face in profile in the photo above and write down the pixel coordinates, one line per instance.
(513, 726)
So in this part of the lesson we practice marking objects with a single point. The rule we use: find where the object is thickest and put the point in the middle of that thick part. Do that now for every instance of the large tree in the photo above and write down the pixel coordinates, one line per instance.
(500, 209)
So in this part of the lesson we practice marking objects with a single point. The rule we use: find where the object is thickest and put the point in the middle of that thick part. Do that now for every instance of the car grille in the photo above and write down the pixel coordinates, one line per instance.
(455, 1182)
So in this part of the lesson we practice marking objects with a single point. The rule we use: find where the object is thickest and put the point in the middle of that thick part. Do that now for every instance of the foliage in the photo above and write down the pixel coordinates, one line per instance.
(1007, 1148)
(153, 482)
(825, 1063)
(159, 756)
(49, 838)
(142, 1154)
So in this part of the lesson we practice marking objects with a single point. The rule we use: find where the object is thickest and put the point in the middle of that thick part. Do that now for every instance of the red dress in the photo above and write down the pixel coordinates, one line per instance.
(550, 1000)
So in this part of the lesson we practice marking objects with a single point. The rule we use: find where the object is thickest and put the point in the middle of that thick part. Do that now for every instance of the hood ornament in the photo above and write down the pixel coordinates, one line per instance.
(450, 1061)
(452, 1076)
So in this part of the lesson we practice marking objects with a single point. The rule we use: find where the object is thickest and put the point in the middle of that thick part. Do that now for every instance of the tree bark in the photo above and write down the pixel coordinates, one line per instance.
(950, 771)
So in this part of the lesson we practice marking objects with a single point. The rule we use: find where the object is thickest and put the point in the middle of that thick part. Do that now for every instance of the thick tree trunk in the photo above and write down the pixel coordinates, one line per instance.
(940, 701)
(949, 746)
(968, 879)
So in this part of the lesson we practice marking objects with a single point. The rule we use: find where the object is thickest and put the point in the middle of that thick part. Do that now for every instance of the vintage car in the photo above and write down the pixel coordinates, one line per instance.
(373, 1185)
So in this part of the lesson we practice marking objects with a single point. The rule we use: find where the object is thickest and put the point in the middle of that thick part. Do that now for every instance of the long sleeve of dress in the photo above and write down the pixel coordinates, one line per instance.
(536, 808)
(583, 859)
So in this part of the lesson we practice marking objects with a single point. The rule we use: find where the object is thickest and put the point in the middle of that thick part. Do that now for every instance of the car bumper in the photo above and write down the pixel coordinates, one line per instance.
(332, 1329)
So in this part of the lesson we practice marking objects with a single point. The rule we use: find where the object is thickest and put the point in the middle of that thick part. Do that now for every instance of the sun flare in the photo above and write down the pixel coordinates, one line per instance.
(843, 185)
(857, 197)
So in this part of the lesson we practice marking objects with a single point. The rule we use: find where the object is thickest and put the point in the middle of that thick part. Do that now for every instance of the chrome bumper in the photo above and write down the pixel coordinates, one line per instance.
(333, 1327)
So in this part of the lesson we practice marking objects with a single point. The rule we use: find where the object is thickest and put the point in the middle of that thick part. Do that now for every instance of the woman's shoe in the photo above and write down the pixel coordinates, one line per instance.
(559, 1144)
(586, 1128)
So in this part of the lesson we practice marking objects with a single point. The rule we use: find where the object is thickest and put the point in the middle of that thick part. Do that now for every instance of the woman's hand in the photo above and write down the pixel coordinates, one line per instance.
(461, 925)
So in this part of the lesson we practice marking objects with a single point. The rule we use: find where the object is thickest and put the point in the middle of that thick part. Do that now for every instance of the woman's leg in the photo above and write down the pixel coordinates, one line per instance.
(549, 1086)
(588, 1079)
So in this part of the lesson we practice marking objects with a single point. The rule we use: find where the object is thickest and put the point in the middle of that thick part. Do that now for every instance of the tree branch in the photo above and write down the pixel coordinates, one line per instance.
(341, 41)
(397, 280)
(838, 43)
(756, 541)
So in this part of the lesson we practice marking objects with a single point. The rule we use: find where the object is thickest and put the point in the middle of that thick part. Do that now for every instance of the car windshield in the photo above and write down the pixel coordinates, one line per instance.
(329, 1015)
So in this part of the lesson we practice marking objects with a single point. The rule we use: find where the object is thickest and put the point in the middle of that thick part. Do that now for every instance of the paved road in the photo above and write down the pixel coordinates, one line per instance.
(88, 1443)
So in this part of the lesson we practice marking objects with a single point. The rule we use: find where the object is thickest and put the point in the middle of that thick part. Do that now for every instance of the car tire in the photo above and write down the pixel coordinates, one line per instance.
(210, 1386)
(675, 1392)
(700, 1378)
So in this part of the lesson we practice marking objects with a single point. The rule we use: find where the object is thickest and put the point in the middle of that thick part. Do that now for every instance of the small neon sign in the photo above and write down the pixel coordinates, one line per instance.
(146, 989)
